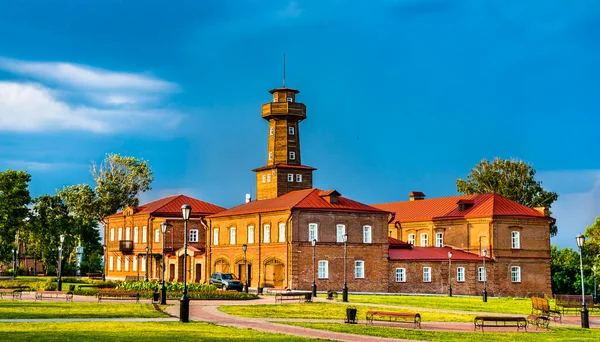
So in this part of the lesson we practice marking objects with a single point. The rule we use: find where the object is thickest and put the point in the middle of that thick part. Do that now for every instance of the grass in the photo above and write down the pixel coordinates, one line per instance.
(557, 334)
(127, 332)
(40, 309)
(329, 311)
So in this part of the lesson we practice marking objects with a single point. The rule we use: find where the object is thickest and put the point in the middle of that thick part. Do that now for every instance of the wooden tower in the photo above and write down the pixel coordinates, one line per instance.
(284, 171)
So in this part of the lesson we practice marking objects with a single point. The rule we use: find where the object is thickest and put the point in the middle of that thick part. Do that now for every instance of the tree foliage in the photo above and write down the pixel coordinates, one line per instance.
(14, 198)
(513, 179)
(565, 271)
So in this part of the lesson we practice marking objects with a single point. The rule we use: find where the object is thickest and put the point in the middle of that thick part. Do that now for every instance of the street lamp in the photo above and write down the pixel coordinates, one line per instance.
(345, 290)
(244, 248)
(184, 306)
(585, 321)
(450, 273)
(14, 268)
(314, 285)
(104, 264)
(163, 288)
(146, 261)
(484, 254)
(60, 248)
(595, 287)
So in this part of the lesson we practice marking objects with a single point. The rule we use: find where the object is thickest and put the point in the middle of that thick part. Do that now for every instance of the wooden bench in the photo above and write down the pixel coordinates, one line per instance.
(119, 295)
(300, 296)
(565, 303)
(541, 306)
(15, 293)
(500, 322)
(393, 316)
(538, 320)
(132, 278)
(54, 294)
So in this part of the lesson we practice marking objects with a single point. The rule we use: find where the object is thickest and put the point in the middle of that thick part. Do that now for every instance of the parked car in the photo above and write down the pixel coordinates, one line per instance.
(226, 281)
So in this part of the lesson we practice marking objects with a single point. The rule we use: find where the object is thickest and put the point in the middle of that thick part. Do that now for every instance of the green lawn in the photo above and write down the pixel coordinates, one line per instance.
(127, 332)
(329, 311)
(557, 334)
(14, 309)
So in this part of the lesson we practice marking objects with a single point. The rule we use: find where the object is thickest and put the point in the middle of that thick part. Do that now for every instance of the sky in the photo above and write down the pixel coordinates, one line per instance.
(401, 95)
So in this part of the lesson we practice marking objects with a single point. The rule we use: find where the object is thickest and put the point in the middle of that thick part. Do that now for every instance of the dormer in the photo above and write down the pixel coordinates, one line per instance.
(331, 196)
(128, 211)
(465, 204)
(416, 196)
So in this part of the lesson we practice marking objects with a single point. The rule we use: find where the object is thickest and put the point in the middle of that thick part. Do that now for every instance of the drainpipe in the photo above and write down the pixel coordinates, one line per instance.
(290, 249)
(259, 251)
(399, 227)
(207, 246)
(149, 239)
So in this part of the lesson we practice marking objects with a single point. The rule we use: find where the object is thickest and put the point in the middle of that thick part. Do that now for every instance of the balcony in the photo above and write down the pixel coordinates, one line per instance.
(126, 246)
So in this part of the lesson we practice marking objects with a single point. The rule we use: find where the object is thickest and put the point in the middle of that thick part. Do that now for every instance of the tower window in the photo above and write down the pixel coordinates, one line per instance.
(271, 131)
(274, 98)
(268, 178)
(292, 155)
(270, 155)
(299, 178)
(264, 179)
(290, 177)
(289, 99)
(291, 130)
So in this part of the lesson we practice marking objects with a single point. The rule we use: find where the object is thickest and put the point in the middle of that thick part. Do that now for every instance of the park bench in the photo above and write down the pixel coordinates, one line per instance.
(293, 295)
(540, 306)
(119, 295)
(538, 320)
(131, 278)
(54, 294)
(393, 316)
(15, 293)
(500, 322)
(565, 303)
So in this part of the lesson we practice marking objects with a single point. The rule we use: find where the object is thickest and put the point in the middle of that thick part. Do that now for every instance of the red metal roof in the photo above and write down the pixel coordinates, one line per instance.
(431, 254)
(307, 199)
(484, 205)
(395, 243)
(171, 206)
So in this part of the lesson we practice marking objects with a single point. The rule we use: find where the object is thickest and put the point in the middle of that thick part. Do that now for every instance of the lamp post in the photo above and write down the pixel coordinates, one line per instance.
(146, 261)
(314, 285)
(345, 290)
(17, 261)
(595, 287)
(450, 274)
(60, 248)
(163, 288)
(184, 306)
(585, 320)
(484, 254)
(245, 248)
(104, 263)
(13, 264)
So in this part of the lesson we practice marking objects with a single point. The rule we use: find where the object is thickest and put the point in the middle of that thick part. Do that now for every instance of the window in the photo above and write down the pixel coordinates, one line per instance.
(250, 234)
(426, 274)
(274, 99)
(111, 261)
(118, 263)
(120, 234)
(359, 269)
(144, 261)
(156, 235)
(126, 264)
(411, 239)
(460, 274)
(515, 274)
(268, 178)
(292, 155)
(516, 241)
(144, 234)
(282, 232)
(232, 235)
(291, 130)
(439, 239)
(299, 178)
(289, 99)
(112, 234)
(127, 233)
(267, 233)
(290, 177)
(481, 274)
(193, 235)
(215, 237)
(272, 130)
(135, 261)
(264, 178)
(340, 231)
(367, 234)
(424, 240)
(313, 231)
(136, 234)
(401, 275)
(323, 269)
(270, 155)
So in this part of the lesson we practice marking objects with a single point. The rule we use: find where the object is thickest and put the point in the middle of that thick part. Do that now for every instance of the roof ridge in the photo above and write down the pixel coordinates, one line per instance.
(312, 190)
(174, 197)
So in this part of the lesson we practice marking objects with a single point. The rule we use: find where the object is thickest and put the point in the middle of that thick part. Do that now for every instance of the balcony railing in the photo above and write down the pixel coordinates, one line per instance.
(126, 246)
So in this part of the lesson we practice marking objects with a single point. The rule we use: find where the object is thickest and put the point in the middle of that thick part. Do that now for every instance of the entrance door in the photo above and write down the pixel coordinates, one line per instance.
(198, 273)
(171, 272)
(274, 273)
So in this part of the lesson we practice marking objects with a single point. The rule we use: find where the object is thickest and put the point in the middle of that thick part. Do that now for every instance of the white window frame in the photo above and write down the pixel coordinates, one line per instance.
(323, 269)
(411, 239)
(291, 130)
(193, 235)
(128, 234)
(340, 230)
(269, 178)
(250, 234)
(481, 274)
(136, 234)
(313, 231)
(267, 233)
(135, 260)
(120, 233)
(427, 274)
(111, 262)
(359, 269)
(367, 238)
(290, 177)
(460, 274)
(144, 234)
(282, 232)
(271, 129)
(515, 240)
(118, 263)
(232, 235)
(515, 274)
(126, 264)
(156, 235)
(289, 99)
(264, 178)
(270, 155)
(439, 239)
(292, 155)
(112, 234)
(424, 240)
(144, 264)
(401, 275)
(274, 99)
(299, 178)
(216, 237)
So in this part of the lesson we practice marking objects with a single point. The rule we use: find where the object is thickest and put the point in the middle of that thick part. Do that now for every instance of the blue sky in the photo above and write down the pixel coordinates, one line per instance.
(401, 95)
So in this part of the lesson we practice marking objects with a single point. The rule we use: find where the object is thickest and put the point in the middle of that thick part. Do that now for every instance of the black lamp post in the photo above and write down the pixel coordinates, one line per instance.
(585, 320)
(163, 288)
(184, 306)
(245, 248)
(484, 254)
(345, 290)
(60, 248)
(595, 287)
(146, 261)
(104, 264)
(450, 274)
(314, 285)
(14, 263)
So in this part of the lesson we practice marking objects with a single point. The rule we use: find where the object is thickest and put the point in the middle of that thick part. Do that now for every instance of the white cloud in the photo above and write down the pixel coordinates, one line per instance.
(30, 107)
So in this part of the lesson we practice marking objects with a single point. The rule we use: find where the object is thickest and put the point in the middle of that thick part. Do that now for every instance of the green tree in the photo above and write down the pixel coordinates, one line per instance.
(513, 179)
(14, 198)
(565, 271)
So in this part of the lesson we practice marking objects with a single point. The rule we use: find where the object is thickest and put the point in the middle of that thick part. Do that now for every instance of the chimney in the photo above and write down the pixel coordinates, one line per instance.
(416, 196)
(248, 198)
(542, 210)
